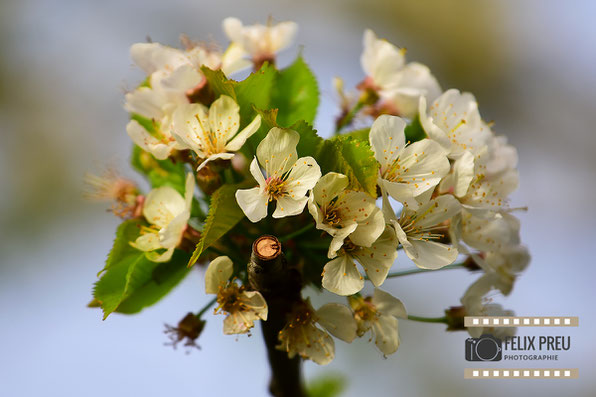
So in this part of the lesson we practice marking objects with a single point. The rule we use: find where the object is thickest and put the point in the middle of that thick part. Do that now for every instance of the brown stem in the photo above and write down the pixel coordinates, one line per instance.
(280, 285)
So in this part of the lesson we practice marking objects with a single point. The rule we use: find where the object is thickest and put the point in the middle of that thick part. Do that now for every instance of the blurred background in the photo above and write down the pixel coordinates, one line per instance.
(63, 72)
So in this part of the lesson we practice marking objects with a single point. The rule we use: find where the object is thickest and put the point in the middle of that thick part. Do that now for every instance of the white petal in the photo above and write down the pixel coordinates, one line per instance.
(153, 256)
(282, 35)
(255, 171)
(189, 189)
(162, 205)
(147, 242)
(218, 273)
(171, 234)
(341, 276)
(147, 142)
(233, 59)
(303, 176)
(238, 141)
(253, 203)
(380, 60)
(387, 139)
(338, 320)
(386, 334)
(146, 102)
(233, 29)
(387, 304)
(432, 255)
(184, 78)
(433, 132)
(369, 230)
(152, 57)
(463, 173)
(254, 301)
(288, 206)
(277, 152)
(188, 126)
(437, 211)
(216, 156)
(329, 187)
(224, 119)
(379, 257)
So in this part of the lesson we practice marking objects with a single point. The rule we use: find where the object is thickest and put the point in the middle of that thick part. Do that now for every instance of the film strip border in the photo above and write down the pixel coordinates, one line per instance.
(488, 321)
(521, 373)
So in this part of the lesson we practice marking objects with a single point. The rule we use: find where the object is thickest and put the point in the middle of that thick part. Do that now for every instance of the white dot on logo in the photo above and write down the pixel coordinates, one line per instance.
(484, 373)
(516, 321)
(475, 321)
(526, 321)
(515, 373)
(475, 373)
(557, 321)
(536, 373)
(547, 321)
(526, 373)
(567, 321)
(485, 321)
(495, 373)
(546, 373)
(495, 321)
(557, 373)
(567, 373)
(536, 321)
(505, 373)
(506, 321)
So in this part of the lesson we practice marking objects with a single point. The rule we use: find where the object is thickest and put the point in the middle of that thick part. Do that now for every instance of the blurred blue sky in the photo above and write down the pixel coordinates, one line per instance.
(63, 72)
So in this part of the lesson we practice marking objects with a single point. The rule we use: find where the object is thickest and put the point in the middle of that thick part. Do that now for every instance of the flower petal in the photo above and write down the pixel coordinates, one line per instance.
(224, 119)
(218, 273)
(303, 176)
(171, 235)
(253, 203)
(328, 187)
(277, 152)
(147, 142)
(338, 321)
(341, 276)
(162, 205)
(369, 230)
(287, 206)
(386, 334)
(387, 139)
(238, 141)
(379, 257)
(147, 242)
(387, 304)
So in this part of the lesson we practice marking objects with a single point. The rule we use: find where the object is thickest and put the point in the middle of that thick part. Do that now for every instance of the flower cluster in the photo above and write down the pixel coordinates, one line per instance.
(428, 177)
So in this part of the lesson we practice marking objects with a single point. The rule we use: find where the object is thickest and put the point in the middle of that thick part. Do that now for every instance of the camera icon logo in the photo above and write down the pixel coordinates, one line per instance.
(485, 348)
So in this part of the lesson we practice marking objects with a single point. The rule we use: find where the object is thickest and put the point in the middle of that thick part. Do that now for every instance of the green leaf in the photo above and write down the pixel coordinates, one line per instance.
(414, 131)
(159, 172)
(254, 92)
(224, 214)
(164, 277)
(310, 143)
(128, 274)
(328, 385)
(353, 158)
(295, 94)
(361, 134)
(218, 82)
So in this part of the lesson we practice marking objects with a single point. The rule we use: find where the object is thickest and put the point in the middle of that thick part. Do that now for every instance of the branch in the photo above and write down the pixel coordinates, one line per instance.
(280, 285)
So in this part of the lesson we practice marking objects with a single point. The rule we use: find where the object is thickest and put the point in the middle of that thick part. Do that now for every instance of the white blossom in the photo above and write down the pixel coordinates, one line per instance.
(168, 213)
(476, 303)
(454, 122)
(287, 178)
(173, 74)
(504, 265)
(242, 307)
(406, 170)
(399, 85)
(342, 212)
(212, 133)
(418, 230)
(341, 275)
(261, 42)
(302, 336)
(379, 314)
